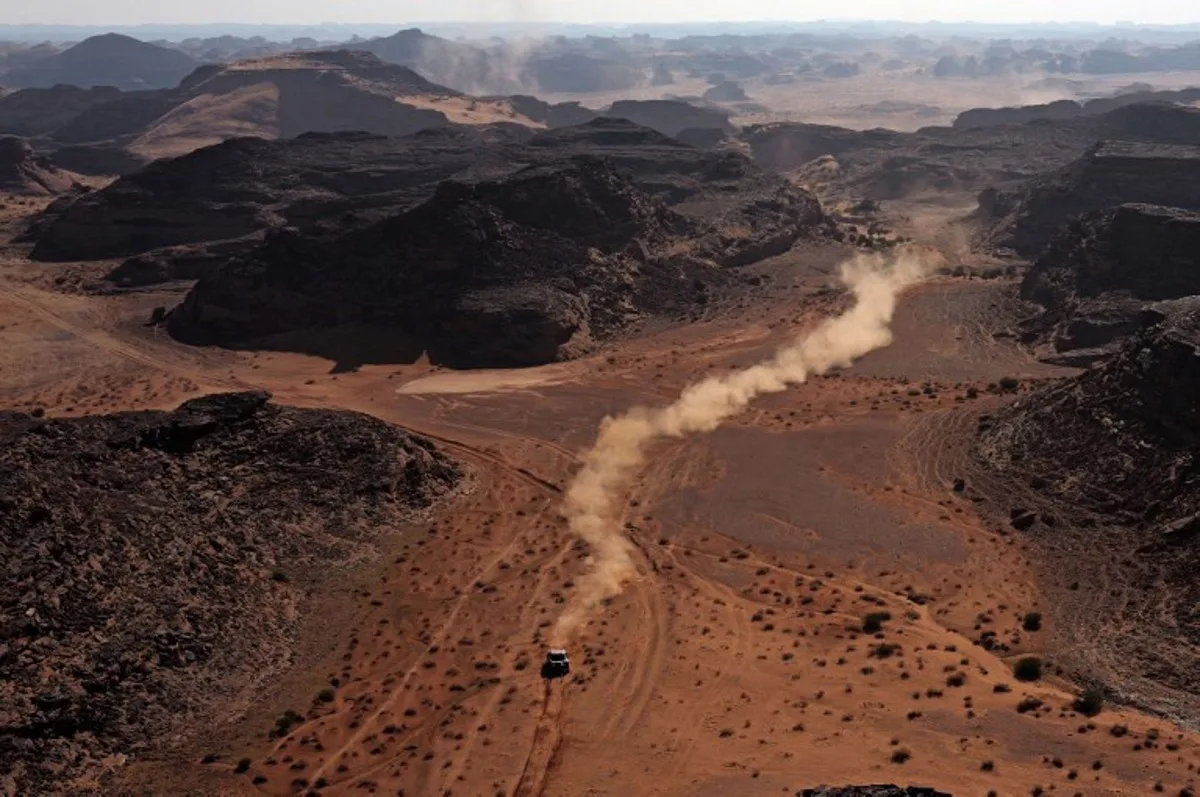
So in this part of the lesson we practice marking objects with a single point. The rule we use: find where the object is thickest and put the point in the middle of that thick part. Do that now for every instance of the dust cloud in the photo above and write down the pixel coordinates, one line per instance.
(594, 500)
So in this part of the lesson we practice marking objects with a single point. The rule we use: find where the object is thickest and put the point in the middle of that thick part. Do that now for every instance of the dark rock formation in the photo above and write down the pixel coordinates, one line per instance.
(1099, 280)
(1110, 173)
(1070, 109)
(106, 60)
(784, 146)
(995, 117)
(21, 172)
(527, 270)
(726, 91)
(245, 186)
(97, 160)
(39, 112)
(576, 73)
(448, 63)
(669, 116)
(563, 114)
(147, 559)
(1115, 454)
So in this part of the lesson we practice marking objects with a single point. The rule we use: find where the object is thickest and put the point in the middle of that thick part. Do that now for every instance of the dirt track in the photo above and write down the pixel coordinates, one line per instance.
(734, 663)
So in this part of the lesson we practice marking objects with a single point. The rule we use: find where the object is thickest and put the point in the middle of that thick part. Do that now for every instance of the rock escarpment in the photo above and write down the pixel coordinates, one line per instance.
(1106, 274)
(1110, 173)
(1107, 467)
(22, 172)
(147, 558)
(526, 270)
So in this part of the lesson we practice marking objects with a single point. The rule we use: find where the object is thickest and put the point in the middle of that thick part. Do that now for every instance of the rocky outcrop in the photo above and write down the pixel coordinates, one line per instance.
(726, 91)
(149, 559)
(1101, 279)
(449, 63)
(784, 146)
(996, 117)
(22, 172)
(246, 186)
(669, 116)
(579, 73)
(1112, 459)
(106, 60)
(39, 112)
(512, 273)
(1110, 173)
(530, 268)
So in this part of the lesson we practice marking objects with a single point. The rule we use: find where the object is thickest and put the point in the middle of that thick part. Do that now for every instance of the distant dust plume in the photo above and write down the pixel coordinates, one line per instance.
(594, 501)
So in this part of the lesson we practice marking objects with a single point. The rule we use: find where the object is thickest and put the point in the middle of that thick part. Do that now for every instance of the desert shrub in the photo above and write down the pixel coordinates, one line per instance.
(1032, 622)
(1028, 669)
(325, 696)
(242, 766)
(900, 756)
(1028, 704)
(1009, 384)
(1090, 702)
(873, 622)
(285, 723)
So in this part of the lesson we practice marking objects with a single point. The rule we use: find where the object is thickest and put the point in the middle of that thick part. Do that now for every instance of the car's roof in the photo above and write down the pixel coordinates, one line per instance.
(557, 652)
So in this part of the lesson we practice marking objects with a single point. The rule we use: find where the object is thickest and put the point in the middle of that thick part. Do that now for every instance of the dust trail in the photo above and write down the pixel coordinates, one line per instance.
(594, 499)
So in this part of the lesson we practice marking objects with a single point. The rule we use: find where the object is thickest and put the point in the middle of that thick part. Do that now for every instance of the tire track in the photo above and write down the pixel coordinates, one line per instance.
(547, 740)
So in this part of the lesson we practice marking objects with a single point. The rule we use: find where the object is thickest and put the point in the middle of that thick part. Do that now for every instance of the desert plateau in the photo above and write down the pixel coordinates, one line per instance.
(524, 409)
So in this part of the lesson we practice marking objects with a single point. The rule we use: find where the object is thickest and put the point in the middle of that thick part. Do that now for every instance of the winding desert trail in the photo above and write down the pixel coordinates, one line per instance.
(734, 662)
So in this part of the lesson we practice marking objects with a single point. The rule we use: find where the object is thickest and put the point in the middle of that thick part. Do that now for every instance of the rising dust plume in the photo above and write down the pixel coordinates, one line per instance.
(594, 500)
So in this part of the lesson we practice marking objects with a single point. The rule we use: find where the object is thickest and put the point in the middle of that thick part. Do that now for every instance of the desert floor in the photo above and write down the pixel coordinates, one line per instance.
(733, 663)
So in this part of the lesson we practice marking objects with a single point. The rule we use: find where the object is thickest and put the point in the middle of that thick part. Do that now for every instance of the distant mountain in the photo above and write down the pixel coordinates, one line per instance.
(275, 97)
(284, 96)
(460, 66)
(107, 60)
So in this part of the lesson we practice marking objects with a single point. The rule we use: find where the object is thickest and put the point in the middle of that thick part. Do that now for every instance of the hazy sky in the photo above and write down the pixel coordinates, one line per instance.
(131, 12)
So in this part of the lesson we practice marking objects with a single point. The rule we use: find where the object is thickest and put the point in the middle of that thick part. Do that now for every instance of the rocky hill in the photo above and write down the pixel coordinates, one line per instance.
(21, 172)
(279, 96)
(461, 66)
(529, 269)
(1105, 467)
(107, 60)
(285, 96)
(670, 116)
(149, 561)
(39, 112)
(1109, 173)
(245, 186)
(1070, 109)
(1101, 278)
